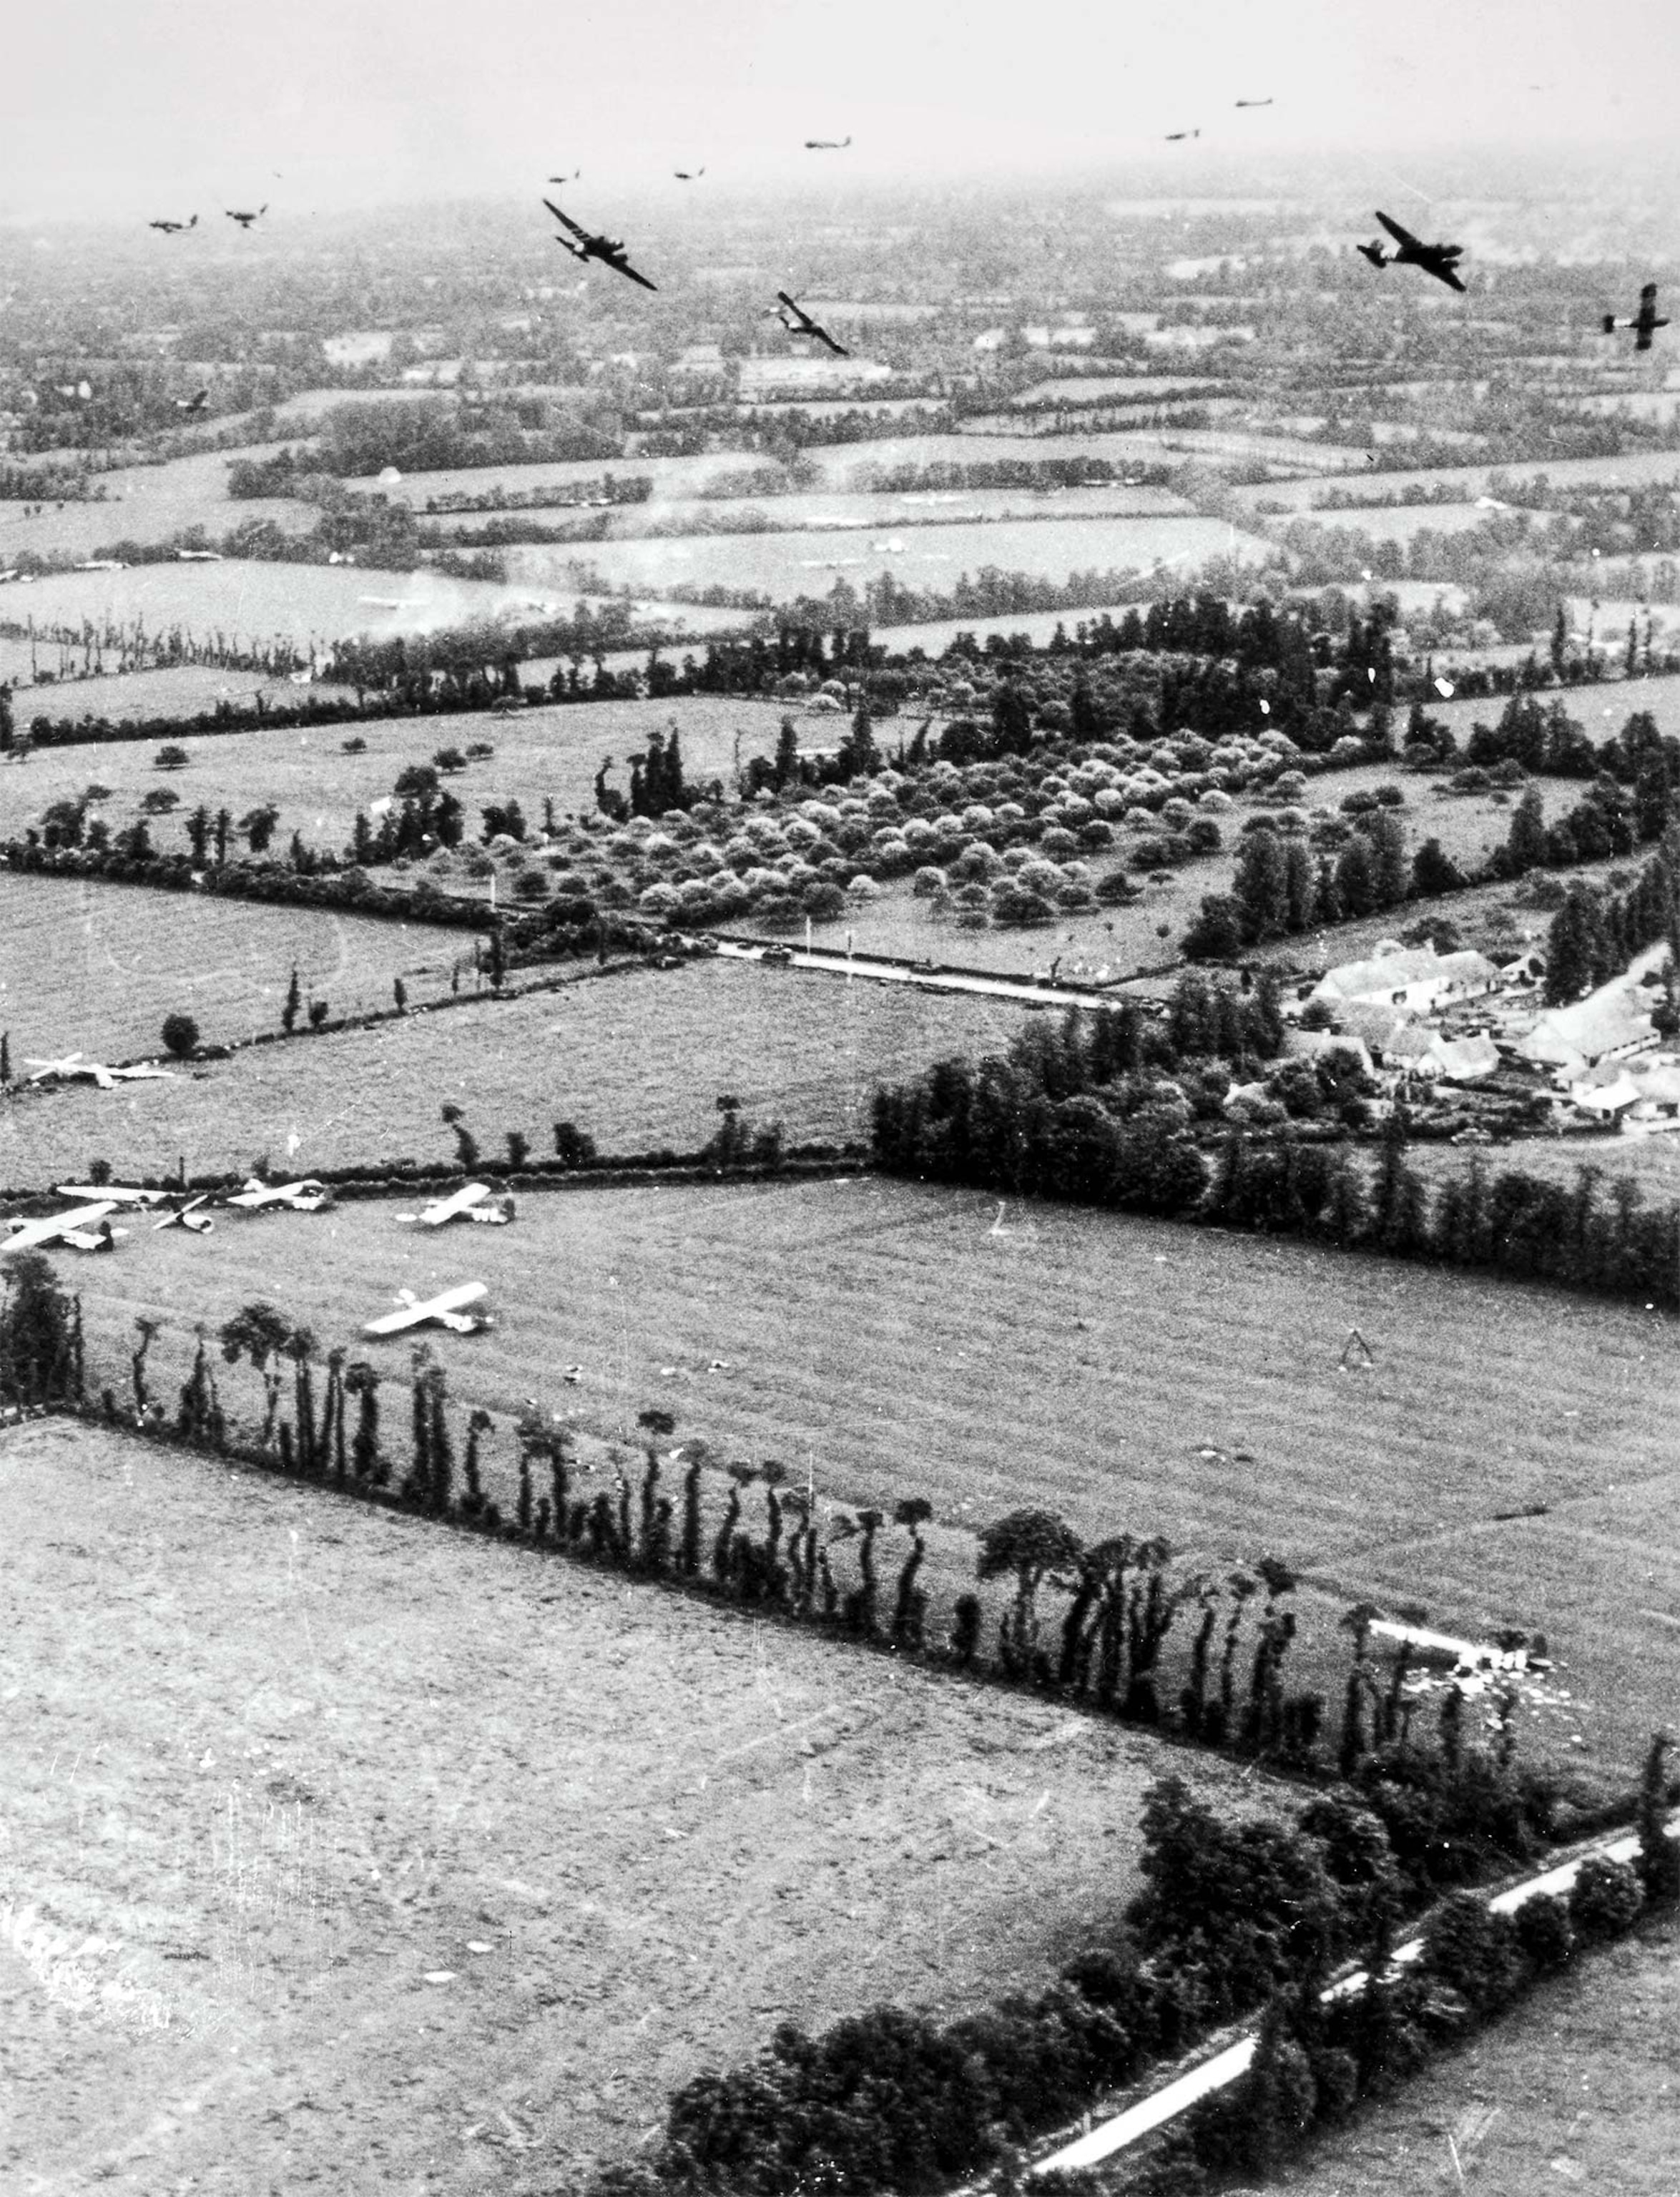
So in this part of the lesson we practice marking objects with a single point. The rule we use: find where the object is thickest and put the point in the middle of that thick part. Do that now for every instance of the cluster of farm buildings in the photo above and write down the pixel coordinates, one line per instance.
(1414, 1016)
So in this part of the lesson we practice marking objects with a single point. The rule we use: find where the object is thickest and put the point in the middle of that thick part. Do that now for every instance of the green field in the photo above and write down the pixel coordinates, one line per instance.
(552, 751)
(94, 968)
(637, 1060)
(146, 503)
(1574, 2089)
(1138, 1377)
(179, 690)
(332, 1837)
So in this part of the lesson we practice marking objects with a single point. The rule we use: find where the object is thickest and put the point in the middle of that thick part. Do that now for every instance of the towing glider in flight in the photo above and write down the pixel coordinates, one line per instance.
(86, 1227)
(474, 1200)
(445, 1310)
(688, 174)
(1440, 260)
(802, 324)
(1178, 136)
(609, 250)
(1645, 323)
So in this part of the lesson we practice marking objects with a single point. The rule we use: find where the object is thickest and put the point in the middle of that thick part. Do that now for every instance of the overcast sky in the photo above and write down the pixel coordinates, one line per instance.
(170, 105)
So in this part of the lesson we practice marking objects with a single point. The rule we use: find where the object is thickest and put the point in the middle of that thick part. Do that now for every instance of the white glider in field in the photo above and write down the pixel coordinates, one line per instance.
(74, 1065)
(111, 1193)
(86, 1227)
(473, 1201)
(307, 1195)
(445, 1310)
(188, 1216)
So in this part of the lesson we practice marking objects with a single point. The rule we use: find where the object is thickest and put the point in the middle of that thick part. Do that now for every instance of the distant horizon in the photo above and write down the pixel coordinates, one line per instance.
(170, 106)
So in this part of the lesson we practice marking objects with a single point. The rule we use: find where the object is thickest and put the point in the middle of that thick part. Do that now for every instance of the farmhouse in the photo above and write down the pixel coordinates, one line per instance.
(1642, 1097)
(1415, 978)
(1609, 1024)
(1417, 1050)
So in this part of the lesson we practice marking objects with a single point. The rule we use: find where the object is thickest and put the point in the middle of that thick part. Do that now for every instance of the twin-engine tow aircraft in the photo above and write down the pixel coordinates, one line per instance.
(609, 250)
(802, 324)
(306, 1196)
(84, 1227)
(443, 1311)
(75, 1065)
(473, 1201)
(1645, 323)
(1440, 260)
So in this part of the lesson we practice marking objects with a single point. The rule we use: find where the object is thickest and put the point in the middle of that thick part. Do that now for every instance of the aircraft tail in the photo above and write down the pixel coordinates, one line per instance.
(1610, 324)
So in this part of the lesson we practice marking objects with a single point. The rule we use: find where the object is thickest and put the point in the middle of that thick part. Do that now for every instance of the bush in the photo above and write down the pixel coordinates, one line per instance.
(180, 1036)
(1543, 1931)
(1604, 1898)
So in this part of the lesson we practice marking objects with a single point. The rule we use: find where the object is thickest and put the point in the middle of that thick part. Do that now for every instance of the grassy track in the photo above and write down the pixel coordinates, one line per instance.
(1136, 1377)
(440, 1857)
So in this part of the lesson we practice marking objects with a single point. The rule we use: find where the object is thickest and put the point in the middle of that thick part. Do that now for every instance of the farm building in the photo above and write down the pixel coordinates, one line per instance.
(1609, 1024)
(1641, 1097)
(1417, 1050)
(1415, 978)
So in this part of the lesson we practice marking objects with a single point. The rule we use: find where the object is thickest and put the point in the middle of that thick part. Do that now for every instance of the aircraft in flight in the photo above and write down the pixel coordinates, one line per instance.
(474, 1200)
(74, 1065)
(1253, 103)
(802, 324)
(609, 250)
(307, 1195)
(174, 228)
(827, 144)
(195, 404)
(86, 1227)
(572, 178)
(1178, 136)
(445, 1309)
(244, 220)
(688, 174)
(1645, 323)
(188, 1216)
(1439, 260)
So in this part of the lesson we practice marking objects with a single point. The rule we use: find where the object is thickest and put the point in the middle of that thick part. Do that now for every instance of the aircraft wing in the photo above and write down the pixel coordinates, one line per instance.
(1400, 236)
(1449, 276)
(393, 1323)
(624, 267)
(789, 304)
(102, 1238)
(566, 220)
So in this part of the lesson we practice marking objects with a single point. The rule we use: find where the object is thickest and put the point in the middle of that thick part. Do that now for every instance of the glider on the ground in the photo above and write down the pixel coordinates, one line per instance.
(188, 1216)
(74, 1065)
(88, 1227)
(244, 220)
(195, 404)
(609, 250)
(802, 324)
(1645, 323)
(307, 1195)
(174, 228)
(1439, 260)
(445, 1309)
(474, 1200)
(110, 1193)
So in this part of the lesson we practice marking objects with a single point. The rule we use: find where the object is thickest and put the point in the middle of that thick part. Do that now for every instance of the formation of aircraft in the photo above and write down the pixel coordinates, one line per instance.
(802, 324)
(74, 1065)
(444, 1310)
(609, 250)
(1645, 323)
(84, 1227)
(305, 1196)
(473, 1201)
(244, 220)
(174, 228)
(1440, 260)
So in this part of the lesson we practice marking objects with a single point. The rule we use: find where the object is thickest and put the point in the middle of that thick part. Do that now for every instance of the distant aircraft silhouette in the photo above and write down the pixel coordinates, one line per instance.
(244, 220)
(174, 228)
(1439, 260)
(1253, 103)
(802, 325)
(609, 250)
(1645, 323)
(689, 175)
(1178, 136)
(827, 144)
(572, 178)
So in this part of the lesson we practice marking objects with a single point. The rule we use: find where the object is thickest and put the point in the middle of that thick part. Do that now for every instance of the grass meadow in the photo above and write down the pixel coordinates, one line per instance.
(365, 1841)
(1138, 1377)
